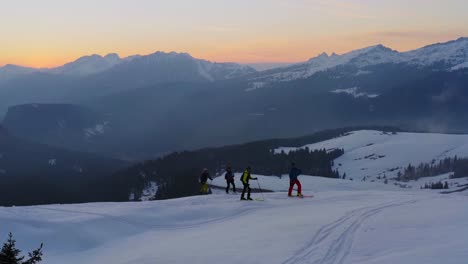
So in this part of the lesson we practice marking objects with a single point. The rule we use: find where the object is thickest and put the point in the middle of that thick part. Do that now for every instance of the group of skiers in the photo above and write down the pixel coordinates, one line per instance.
(245, 179)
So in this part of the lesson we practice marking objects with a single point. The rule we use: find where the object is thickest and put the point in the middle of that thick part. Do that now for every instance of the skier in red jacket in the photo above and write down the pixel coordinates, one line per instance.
(293, 174)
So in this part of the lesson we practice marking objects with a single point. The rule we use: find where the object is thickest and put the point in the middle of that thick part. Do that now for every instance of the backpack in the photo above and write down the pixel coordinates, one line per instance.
(229, 176)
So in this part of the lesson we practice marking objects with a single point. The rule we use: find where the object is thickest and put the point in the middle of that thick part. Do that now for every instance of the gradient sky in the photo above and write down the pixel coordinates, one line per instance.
(45, 33)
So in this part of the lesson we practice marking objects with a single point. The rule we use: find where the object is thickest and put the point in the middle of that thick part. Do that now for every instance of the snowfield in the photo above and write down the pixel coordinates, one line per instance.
(346, 222)
(371, 154)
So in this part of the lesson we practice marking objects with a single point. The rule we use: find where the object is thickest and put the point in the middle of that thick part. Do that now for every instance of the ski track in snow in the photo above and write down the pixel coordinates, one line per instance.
(124, 220)
(332, 243)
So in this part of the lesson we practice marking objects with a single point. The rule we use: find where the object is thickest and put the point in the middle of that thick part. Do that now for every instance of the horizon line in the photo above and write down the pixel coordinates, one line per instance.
(216, 61)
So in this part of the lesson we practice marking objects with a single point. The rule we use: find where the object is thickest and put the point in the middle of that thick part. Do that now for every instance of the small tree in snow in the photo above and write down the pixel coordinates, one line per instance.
(11, 255)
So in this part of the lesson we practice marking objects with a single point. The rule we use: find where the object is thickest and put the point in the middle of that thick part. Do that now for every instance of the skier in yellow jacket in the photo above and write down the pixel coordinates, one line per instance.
(246, 177)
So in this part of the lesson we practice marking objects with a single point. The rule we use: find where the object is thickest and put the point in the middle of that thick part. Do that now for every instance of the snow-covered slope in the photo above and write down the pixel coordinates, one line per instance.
(336, 226)
(374, 154)
(452, 54)
(448, 56)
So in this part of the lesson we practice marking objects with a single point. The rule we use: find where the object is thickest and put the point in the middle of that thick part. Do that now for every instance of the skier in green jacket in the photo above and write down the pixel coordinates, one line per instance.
(246, 177)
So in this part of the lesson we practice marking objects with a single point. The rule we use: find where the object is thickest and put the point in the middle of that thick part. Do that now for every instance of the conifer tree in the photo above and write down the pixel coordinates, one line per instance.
(11, 255)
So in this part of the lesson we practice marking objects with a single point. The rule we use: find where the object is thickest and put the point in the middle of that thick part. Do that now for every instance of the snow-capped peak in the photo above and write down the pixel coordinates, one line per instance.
(87, 65)
(449, 54)
(362, 57)
(373, 55)
(323, 55)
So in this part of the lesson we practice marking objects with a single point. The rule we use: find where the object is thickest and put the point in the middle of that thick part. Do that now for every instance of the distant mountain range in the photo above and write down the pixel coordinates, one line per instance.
(145, 106)
(94, 75)
(94, 64)
(452, 55)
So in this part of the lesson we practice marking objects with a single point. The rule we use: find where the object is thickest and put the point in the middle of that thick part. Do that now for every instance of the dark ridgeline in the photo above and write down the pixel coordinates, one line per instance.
(32, 173)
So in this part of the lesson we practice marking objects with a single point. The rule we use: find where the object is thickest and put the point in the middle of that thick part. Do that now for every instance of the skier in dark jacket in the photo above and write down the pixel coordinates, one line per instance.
(203, 181)
(229, 176)
(246, 177)
(293, 174)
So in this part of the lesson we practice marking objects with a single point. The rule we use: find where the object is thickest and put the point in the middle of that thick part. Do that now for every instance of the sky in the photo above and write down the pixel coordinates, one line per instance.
(47, 33)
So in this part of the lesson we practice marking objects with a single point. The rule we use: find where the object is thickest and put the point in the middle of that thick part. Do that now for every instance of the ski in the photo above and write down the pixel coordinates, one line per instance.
(304, 196)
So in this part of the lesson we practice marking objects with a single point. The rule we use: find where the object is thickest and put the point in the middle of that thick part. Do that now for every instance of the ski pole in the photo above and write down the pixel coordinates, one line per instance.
(261, 192)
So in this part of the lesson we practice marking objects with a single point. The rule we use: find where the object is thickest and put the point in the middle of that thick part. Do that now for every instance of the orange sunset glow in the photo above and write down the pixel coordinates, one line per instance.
(51, 32)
